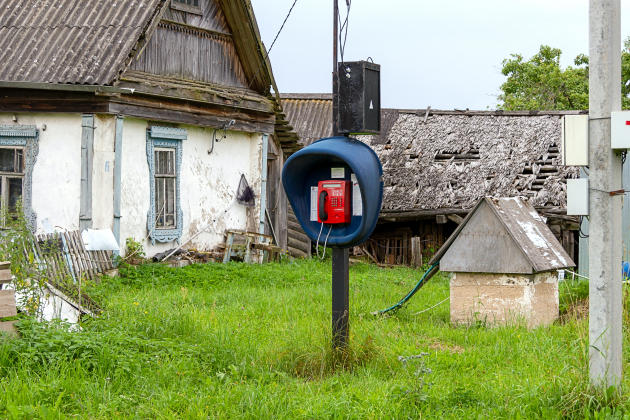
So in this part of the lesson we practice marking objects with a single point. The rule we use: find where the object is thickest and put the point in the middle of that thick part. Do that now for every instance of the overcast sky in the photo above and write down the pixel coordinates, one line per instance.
(445, 53)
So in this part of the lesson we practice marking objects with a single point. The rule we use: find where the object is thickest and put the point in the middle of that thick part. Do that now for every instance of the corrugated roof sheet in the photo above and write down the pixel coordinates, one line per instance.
(527, 229)
(69, 41)
(310, 115)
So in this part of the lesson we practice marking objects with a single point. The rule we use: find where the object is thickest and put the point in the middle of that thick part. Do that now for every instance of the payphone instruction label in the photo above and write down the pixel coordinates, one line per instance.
(357, 201)
(313, 204)
(338, 173)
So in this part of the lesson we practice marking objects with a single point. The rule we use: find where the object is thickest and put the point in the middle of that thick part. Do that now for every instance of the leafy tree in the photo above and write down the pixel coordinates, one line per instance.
(541, 84)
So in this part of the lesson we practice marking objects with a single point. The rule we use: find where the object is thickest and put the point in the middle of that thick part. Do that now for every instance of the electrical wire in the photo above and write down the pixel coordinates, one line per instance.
(582, 234)
(342, 45)
(325, 242)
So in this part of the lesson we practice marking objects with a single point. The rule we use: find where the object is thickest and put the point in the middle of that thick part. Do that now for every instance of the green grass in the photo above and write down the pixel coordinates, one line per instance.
(253, 342)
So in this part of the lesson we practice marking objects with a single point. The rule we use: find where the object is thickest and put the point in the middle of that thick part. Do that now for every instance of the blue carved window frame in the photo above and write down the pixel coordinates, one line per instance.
(26, 137)
(165, 137)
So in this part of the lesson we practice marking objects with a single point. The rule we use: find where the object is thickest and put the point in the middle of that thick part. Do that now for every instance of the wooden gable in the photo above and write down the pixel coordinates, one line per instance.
(485, 246)
(193, 45)
(502, 235)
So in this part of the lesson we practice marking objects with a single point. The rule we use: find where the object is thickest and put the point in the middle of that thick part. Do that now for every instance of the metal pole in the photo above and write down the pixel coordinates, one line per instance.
(335, 89)
(340, 256)
(340, 296)
(605, 243)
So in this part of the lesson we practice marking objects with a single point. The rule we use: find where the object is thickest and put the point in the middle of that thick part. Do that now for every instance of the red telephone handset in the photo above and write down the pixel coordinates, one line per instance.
(334, 202)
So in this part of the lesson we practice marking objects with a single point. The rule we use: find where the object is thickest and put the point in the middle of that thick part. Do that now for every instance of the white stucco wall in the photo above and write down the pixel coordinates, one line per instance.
(57, 172)
(208, 182)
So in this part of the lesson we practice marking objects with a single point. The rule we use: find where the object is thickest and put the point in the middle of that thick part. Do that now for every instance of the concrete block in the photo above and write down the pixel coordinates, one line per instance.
(503, 298)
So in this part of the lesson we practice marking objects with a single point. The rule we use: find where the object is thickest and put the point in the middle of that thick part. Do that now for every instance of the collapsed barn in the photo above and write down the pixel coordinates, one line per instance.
(438, 164)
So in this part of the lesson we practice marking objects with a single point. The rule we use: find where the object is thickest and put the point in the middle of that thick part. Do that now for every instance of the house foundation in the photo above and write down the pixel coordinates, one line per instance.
(500, 299)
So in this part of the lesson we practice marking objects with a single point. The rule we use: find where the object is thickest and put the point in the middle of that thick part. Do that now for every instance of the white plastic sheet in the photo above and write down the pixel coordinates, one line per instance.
(99, 240)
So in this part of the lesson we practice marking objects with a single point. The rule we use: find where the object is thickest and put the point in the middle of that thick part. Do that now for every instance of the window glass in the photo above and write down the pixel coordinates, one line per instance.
(15, 192)
(189, 2)
(170, 201)
(7, 160)
(19, 160)
(164, 162)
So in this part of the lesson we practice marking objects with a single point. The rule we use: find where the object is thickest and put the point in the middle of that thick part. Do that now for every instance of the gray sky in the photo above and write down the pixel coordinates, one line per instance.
(445, 53)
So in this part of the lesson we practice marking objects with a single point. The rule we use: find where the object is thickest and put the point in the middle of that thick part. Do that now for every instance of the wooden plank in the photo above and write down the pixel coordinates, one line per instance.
(416, 252)
(455, 218)
(187, 116)
(85, 263)
(41, 257)
(87, 162)
(7, 303)
(5, 265)
(5, 276)
(76, 261)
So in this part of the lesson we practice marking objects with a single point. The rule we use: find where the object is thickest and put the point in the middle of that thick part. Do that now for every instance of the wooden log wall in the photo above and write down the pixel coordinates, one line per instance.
(298, 244)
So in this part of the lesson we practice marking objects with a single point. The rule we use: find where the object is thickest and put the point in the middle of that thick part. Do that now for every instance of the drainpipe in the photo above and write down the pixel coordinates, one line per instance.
(263, 183)
(118, 180)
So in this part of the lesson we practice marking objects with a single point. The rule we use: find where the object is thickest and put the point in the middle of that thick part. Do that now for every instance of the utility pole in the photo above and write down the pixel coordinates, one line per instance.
(340, 256)
(605, 236)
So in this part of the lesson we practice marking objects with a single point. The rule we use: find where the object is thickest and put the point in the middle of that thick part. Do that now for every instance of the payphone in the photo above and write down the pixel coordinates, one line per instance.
(334, 203)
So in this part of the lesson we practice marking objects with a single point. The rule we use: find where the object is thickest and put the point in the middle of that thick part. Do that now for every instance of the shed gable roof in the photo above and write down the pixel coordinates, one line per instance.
(526, 228)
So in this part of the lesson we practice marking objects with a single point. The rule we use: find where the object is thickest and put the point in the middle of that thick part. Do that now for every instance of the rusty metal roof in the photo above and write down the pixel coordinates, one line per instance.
(524, 225)
(69, 41)
(309, 114)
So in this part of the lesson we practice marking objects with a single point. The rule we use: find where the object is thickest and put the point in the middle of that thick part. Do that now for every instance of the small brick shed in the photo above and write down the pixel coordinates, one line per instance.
(504, 260)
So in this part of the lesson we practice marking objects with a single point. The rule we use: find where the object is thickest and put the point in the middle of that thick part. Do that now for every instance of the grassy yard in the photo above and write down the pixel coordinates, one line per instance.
(253, 342)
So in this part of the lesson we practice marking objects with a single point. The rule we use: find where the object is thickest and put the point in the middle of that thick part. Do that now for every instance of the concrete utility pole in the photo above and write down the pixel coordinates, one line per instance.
(605, 241)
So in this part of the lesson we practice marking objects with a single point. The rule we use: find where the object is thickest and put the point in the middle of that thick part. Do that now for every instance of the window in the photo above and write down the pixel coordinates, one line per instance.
(164, 155)
(11, 176)
(165, 195)
(18, 154)
(190, 6)
(194, 3)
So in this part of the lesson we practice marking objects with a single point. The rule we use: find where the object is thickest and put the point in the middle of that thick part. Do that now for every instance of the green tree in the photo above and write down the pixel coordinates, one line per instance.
(540, 83)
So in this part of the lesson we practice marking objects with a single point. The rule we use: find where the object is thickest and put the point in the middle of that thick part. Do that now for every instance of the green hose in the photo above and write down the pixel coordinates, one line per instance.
(430, 272)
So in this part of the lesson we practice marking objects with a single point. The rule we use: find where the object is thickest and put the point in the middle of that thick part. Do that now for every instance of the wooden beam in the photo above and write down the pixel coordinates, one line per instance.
(455, 218)
(184, 117)
(441, 219)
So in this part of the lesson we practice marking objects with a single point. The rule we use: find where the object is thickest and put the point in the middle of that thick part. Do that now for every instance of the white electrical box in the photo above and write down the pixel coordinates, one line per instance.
(577, 197)
(575, 140)
(620, 130)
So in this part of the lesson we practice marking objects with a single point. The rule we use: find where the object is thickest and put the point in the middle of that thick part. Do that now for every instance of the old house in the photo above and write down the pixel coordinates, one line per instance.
(438, 164)
(140, 116)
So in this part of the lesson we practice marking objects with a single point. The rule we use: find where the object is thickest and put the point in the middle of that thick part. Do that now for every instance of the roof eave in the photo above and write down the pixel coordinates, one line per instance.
(65, 87)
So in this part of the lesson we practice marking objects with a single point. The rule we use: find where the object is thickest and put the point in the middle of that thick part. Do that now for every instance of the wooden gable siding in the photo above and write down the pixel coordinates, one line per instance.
(213, 18)
(199, 53)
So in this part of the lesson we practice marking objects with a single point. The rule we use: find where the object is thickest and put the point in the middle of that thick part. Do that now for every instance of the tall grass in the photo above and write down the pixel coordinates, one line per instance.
(252, 342)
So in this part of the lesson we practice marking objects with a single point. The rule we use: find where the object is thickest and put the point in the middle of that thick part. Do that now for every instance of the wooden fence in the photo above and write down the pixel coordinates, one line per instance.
(64, 255)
